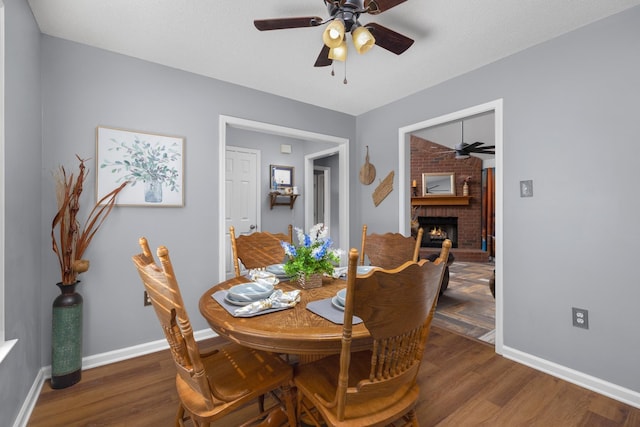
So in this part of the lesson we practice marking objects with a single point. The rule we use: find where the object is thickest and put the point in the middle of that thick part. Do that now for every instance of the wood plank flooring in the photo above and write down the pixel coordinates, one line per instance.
(463, 382)
(467, 306)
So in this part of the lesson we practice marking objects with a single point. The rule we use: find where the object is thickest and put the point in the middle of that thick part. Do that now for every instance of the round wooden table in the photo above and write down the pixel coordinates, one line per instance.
(292, 331)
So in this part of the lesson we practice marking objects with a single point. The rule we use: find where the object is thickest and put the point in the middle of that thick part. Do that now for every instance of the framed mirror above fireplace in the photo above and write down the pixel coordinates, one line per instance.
(438, 184)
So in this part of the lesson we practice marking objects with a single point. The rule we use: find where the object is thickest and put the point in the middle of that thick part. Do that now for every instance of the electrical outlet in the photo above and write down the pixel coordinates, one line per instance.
(147, 300)
(580, 317)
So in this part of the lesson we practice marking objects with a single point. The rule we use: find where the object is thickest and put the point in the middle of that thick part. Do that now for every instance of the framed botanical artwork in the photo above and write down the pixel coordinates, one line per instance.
(153, 164)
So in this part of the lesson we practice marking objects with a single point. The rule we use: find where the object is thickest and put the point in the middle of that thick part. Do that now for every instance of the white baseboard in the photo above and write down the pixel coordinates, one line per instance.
(30, 402)
(93, 362)
(624, 395)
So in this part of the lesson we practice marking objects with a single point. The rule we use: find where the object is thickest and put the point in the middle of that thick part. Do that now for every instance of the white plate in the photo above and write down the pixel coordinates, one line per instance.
(336, 303)
(252, 291)
(364, 269)
(277, 269)
(233, 302)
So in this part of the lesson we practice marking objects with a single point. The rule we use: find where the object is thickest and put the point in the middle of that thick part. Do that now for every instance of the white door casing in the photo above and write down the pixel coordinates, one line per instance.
(342, 149)
(404, 134)
(322, 195)
(241, 196)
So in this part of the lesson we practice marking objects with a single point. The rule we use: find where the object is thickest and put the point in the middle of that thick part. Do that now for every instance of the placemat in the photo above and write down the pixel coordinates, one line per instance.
(219, 297)
(324, 308)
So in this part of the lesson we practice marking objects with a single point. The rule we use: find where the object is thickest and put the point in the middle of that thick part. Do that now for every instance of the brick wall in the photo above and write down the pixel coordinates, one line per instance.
(427, 156)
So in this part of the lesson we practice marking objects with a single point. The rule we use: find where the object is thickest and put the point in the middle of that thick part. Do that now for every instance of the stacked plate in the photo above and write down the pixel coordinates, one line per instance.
(278, 271)
(247, 293)
(361, 269)
(338, 299)
(364, 269)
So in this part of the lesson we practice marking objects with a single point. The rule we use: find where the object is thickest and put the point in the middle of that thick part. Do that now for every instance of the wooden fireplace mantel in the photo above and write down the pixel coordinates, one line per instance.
(440, 200)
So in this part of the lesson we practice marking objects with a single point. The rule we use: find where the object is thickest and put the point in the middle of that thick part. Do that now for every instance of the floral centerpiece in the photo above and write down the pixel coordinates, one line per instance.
(312, 257)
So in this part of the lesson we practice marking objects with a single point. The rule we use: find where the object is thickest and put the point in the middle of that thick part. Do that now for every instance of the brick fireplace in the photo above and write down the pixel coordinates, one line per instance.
(437, 229)
(429, 157)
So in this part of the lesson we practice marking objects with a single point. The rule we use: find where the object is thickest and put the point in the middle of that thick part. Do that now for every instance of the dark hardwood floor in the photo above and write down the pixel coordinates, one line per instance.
(463, 382)
(467, 306)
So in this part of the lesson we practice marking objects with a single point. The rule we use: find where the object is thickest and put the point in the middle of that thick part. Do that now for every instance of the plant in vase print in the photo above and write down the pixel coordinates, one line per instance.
(151, 163)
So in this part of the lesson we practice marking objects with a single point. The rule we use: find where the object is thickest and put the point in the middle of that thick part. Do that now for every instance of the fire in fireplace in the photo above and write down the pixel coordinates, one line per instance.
(437, 229)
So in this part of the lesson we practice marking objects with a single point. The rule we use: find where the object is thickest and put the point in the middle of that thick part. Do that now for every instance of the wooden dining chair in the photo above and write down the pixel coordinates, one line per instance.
(259, 249)
(389, 250)
(210, 386)
(377, 386)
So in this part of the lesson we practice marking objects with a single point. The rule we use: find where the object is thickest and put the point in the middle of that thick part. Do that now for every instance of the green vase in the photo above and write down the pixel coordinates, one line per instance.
(66, 338)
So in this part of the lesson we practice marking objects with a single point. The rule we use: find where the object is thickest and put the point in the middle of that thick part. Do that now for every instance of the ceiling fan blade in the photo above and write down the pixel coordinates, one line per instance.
(323, 59)
(375, 7)
(471, 147)
(389, 39)
(284, 23)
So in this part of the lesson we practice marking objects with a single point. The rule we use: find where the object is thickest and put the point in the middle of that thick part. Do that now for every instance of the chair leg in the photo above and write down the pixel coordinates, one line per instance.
(180, 416)
(306, 413)
(287, 394)
(413, 419)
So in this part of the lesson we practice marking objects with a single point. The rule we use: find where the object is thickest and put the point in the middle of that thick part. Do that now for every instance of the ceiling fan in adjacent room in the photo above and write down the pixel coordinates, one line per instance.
(344, 18)
(464, 150)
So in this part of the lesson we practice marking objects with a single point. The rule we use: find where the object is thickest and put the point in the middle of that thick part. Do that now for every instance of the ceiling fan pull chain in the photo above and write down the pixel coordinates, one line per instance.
(345, 73)
(332, 72)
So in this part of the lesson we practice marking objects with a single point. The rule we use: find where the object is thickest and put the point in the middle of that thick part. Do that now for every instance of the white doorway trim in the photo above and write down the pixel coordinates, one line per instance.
(343, 183)
(404, 134)
(251, 125)
(326, 204)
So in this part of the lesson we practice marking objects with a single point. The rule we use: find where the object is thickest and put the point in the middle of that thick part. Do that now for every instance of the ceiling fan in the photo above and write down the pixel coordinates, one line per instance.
(464, 150)
(343, 18)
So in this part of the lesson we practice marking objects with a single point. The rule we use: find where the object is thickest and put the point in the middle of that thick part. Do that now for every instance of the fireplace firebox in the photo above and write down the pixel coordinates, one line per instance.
(436, 229)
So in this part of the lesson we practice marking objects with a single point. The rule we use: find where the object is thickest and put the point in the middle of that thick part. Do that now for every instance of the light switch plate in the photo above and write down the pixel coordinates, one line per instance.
(526, 188)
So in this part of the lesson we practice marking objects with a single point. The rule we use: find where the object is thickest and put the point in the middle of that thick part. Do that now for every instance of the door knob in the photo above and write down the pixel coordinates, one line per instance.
(252, 227)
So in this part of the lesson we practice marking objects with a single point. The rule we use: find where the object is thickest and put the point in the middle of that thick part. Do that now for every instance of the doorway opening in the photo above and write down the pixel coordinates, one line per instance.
(404, 136)
(341, 149)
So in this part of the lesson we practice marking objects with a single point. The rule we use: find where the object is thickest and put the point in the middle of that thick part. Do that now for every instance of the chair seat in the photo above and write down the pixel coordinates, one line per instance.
(235, 372)
(321, 378)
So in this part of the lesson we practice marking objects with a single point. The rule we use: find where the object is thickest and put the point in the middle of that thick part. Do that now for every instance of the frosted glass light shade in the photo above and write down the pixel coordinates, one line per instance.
(363, 40)
(333, 35)
(339, 53)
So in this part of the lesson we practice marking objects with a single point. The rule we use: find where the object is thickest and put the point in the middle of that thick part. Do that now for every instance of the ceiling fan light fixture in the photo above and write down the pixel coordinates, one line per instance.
(363, 40)
(339, 53)
(333, 35)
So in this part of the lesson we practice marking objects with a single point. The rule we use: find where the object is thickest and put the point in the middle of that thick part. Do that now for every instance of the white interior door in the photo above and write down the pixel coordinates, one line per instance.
(241, 192)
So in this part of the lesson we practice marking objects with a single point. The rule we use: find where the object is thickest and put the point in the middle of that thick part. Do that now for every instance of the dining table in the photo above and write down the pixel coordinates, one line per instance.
(292, 331)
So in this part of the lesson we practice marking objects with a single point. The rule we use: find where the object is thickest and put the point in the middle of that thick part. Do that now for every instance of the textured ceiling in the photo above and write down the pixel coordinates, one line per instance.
(216, 38)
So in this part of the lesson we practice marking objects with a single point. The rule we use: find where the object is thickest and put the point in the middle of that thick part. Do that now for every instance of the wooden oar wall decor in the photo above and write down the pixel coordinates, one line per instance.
(384, 188)
(367, 171)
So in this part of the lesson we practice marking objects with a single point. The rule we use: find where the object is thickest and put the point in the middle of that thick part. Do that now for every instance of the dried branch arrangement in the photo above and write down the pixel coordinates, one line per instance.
(71, 241)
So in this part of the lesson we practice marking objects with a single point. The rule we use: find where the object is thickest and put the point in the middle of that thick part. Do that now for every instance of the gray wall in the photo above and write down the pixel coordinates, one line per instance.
(570, 119)
(85, 87)
(23, 238)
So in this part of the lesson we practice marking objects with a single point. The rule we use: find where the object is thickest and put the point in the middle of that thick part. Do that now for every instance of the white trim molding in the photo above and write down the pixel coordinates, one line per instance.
(624, 395)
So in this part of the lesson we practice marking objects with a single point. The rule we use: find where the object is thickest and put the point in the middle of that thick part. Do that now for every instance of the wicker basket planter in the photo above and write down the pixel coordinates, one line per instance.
(310, 281)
